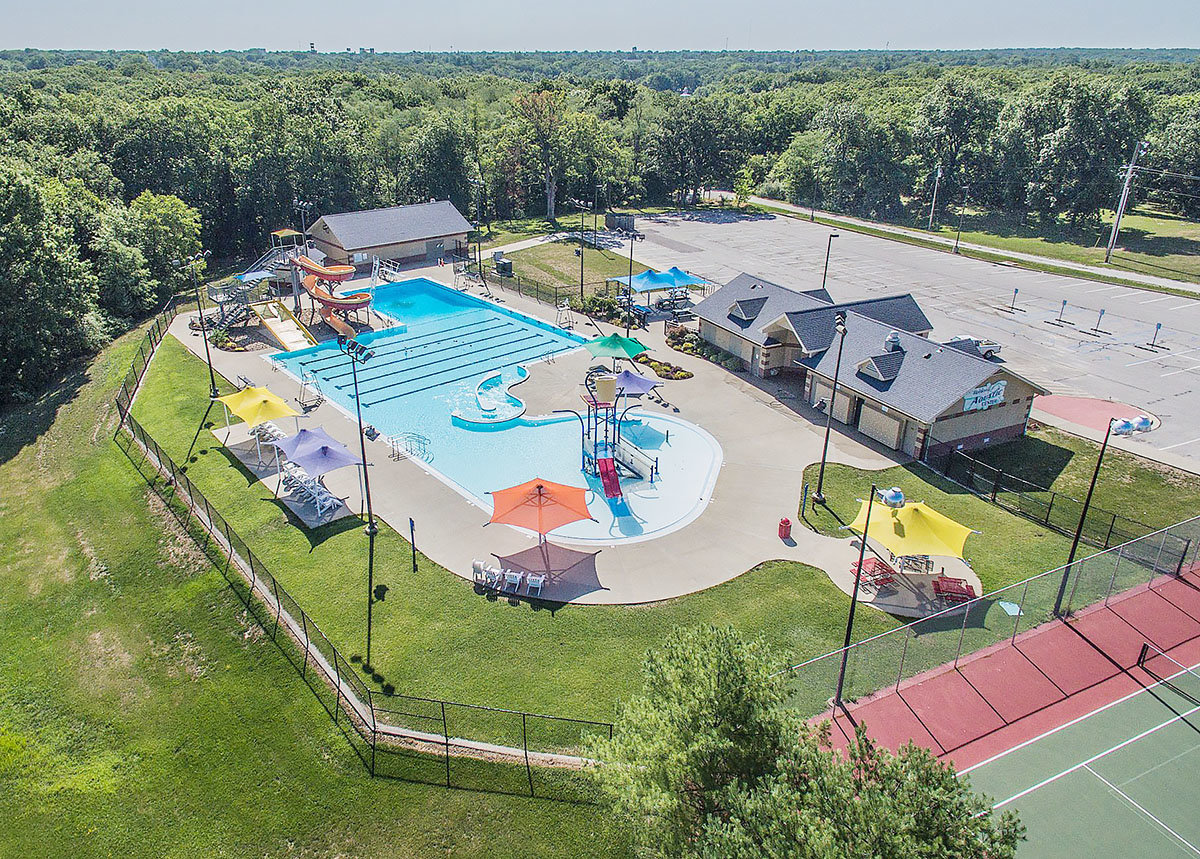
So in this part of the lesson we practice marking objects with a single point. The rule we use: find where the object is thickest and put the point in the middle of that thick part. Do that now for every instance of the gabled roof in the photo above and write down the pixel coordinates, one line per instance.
(924, 382)
(883, 367)
(378, 227)
(749, 305)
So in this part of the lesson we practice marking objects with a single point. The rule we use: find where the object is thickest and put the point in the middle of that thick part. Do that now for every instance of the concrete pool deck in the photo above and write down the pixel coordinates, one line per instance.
(768, 437)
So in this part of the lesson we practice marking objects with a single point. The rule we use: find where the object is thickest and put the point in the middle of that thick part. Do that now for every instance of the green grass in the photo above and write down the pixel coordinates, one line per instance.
(556, 262)
(1155, 494)
(1008, 548)
(433, 635)
(517, 229)
(1151, 242)
(142, 714)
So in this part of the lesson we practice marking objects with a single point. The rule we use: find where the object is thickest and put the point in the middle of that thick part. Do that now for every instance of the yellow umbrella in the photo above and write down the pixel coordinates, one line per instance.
(257, 406)
(914, 529)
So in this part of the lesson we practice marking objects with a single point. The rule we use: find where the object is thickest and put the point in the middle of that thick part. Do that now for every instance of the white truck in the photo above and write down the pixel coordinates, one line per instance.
(987, 348)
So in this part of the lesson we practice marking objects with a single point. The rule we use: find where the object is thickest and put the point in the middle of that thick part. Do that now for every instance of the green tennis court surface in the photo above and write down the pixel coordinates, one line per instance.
(1121, 781)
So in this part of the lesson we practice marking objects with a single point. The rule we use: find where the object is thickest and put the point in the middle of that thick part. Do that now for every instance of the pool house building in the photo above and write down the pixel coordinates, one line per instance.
(425, 232)
(896, 385)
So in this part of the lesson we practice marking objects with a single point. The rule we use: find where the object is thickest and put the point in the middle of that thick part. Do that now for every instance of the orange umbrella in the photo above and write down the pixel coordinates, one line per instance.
(539, 505)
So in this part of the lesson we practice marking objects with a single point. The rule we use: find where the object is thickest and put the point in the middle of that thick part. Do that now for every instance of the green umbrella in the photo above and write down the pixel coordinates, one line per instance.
(615, 346)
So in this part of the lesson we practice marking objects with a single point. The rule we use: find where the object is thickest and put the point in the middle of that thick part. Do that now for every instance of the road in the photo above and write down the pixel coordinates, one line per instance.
(1073, 350)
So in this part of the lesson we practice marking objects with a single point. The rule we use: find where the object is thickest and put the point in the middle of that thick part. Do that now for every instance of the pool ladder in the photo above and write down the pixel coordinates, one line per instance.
(409, 445)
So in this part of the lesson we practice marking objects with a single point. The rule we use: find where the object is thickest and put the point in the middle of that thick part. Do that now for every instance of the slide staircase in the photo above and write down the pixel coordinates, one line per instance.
(283, 325)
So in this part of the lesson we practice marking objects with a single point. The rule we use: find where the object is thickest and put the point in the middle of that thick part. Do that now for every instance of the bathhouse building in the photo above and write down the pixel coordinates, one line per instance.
(896, 385)
(422, 232)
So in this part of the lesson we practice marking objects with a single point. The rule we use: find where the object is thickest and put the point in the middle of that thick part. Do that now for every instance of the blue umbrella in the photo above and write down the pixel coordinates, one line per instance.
(316, 451)
(632, 384)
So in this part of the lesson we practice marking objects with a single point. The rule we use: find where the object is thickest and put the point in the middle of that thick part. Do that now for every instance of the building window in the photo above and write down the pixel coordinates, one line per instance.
(358, 258)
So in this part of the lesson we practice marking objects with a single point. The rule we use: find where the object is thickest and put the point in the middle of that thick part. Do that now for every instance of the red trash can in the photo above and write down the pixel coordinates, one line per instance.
(785, 529)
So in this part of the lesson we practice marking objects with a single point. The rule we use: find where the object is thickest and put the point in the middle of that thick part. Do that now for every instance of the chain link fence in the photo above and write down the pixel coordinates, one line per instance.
(996, 619)
(401, 736)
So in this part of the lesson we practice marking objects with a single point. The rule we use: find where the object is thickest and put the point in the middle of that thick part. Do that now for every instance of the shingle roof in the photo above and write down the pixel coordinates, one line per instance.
(929, 377)
(883, 367)
(767, 301)
(748, 304)
(377, 227)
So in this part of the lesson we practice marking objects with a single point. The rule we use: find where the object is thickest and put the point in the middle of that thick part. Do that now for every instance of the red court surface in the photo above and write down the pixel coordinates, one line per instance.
(1016, 690)
(1086, 411)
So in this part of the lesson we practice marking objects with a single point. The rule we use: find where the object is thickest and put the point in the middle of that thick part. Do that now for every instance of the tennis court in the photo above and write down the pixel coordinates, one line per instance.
(1121, 780)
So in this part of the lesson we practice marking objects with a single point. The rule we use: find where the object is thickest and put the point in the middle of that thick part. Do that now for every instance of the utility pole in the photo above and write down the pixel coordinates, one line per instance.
(937, 180)
(1140, 149)
(958, 235)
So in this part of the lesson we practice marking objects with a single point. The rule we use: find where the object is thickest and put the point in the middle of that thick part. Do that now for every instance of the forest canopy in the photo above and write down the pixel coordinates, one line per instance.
(118, 163)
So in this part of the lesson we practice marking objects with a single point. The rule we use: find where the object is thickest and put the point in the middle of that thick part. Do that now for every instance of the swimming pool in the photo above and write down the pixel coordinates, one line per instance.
(443, 372)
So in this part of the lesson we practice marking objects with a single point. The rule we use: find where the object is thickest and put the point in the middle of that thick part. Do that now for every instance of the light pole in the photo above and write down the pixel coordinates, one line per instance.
(359, 354)
(305, 209)
(937, 180)
(828, 248)
(1120, 426)
(862, 552)
(958, 235)
(582, 214)
(193, 264)
(840, 328)
(634, 236)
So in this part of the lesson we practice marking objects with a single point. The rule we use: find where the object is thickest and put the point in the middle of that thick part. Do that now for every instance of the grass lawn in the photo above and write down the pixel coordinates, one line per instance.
(1155, 494)
(1151, 242)
(515, 230)
(556, 262)
(433, 635)
(142, 714)
(1008, 548)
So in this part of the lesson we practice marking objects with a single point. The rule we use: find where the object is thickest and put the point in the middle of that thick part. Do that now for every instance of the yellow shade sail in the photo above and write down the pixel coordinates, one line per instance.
(286, 233)
(914, 529)
(257, 405)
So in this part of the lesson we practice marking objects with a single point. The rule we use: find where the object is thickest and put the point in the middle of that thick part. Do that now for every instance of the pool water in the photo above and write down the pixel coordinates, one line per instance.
(448, 355)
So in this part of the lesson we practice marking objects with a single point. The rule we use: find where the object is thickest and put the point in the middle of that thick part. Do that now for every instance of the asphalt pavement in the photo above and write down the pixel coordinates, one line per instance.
(1098, 344)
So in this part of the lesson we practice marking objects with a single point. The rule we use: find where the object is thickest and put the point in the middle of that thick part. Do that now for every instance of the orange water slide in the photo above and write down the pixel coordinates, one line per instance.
(353, 301)
(332, 273)
(341, 326)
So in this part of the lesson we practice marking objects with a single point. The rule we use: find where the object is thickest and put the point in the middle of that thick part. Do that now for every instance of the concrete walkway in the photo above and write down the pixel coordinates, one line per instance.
(768, 436)
(934, 238)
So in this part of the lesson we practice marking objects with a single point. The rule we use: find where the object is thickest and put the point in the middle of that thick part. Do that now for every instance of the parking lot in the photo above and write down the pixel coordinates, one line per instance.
(1074, 350)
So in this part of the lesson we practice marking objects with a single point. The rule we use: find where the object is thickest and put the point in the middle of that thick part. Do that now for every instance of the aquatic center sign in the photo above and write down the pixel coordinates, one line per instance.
(984, 397)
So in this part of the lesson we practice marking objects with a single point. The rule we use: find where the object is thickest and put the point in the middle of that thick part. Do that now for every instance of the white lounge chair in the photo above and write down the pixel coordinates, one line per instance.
(534, 583)
(512, 581)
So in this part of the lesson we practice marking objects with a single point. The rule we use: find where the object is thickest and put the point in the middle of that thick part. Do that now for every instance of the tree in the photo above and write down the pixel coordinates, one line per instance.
(437, 161)
(165, 229)
(541, 115)
(859, 166)
(796, 170)
(1176, 149)
(951, 127)
(49, 315)
(707, 761)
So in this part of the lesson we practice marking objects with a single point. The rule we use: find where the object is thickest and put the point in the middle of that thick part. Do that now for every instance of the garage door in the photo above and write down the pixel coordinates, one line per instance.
(883, 428)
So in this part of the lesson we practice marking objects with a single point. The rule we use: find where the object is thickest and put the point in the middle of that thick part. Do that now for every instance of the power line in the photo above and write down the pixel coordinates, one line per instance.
(1164, 173)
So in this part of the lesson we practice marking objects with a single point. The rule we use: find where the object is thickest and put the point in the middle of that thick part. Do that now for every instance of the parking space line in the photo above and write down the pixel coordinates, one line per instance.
(1180, 444)
(1159, 298)
(1177, 372)
(1158, 358)
(1191, 303)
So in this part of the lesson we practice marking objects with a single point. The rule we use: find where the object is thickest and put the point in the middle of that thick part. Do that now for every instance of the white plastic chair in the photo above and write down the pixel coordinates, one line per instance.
(534, 583)
(512, 581)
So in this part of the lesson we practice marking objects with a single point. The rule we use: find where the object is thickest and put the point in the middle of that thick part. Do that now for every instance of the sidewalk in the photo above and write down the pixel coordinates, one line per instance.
(948, 243)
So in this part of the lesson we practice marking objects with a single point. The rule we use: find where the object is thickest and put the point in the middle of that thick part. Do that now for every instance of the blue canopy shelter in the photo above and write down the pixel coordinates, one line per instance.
(653, 281)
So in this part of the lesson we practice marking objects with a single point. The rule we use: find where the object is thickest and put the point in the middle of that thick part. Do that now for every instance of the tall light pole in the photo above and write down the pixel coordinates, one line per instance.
(634, 236)
(359, 354)
(582, 213)
(305, 209)
(1140, 149)
(862, 553)
(840, 328)
(937, 180)
(1120, 426)
(828, 248)
(193, 264)
(961, 211)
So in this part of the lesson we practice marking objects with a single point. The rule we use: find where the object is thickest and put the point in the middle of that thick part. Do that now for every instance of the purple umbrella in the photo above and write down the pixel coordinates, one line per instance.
(633, 384)
(316, 451)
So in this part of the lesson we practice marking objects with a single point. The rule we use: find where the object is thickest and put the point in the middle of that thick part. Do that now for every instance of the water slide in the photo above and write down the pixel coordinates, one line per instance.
(608, 477)
(283, 326)
(353, 301)
(332, 273)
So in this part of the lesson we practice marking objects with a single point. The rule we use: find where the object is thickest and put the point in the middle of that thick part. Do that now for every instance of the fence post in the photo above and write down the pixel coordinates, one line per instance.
(1187, 544)
(963, 632)
(1020, 612)
(1112, 583)
(1050, 507)
(903, 656)
(446, 737)
(278, 607)
(337, 703)
(525, 744)
(1112, 524)
(996, 484)
(374, 728)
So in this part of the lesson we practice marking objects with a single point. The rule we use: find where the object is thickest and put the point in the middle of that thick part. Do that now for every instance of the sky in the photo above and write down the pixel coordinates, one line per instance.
(475, 25)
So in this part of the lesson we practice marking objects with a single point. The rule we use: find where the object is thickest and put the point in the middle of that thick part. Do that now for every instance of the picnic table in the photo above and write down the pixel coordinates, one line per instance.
(953, 590)
(875, 572)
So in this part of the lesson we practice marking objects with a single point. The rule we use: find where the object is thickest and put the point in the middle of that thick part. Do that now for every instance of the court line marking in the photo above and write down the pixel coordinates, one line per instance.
(1096, 757)
(1078, 719)
(1139, 807)
(1177, 372)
